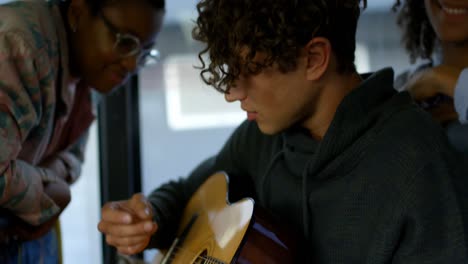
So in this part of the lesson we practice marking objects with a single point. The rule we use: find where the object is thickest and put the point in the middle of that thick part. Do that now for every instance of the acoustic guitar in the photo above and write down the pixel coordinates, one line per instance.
(214, 231)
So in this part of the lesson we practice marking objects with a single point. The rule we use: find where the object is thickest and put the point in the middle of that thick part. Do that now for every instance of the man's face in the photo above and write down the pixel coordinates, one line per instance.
(276, 100)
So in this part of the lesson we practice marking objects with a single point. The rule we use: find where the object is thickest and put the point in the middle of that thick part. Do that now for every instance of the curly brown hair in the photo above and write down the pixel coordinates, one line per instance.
(277, 29)
(418, 37)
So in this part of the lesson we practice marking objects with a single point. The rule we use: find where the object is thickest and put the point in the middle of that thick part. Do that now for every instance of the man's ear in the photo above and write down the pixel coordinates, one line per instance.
(318, 52)
(75, 12)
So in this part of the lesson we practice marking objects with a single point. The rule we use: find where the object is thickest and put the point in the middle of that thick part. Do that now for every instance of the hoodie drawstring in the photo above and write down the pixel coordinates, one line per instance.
(276, 157)
(305, 207)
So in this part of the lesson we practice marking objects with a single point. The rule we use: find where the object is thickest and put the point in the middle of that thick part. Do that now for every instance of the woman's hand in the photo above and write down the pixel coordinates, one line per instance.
(432, 83)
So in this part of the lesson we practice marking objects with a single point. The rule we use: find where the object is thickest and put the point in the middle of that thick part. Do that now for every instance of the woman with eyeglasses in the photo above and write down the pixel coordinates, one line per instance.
(436, 31)
(52, 54)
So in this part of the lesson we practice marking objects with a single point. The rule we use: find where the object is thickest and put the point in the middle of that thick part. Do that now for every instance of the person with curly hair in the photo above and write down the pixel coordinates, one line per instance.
(437, 32)
(343, 160)
(52, 53)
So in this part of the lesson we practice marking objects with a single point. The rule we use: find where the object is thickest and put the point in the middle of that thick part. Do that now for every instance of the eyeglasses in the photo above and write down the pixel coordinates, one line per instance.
(127, 45)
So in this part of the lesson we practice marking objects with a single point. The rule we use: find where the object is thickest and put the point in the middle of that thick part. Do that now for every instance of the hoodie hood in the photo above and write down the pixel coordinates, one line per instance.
(351, 130)
(355, 115)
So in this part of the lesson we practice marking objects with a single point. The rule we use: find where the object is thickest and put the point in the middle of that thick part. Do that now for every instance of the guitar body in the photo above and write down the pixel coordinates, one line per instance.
(214, 231)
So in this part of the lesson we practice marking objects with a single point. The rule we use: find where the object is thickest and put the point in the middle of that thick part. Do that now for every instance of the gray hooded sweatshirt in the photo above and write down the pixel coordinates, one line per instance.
(382, 186)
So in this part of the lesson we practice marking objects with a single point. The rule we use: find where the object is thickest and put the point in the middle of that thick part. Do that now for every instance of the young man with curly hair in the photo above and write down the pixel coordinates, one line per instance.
(437, 32)
(341, 159)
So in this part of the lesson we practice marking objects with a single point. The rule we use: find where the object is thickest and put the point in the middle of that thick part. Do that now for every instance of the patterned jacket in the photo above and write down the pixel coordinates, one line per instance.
(44, 113)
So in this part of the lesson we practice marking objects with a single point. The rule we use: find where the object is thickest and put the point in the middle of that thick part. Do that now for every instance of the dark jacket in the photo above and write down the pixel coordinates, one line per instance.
(383, 186)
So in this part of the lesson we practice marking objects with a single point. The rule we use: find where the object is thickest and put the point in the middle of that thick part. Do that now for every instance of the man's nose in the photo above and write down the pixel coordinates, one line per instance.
(235, 93)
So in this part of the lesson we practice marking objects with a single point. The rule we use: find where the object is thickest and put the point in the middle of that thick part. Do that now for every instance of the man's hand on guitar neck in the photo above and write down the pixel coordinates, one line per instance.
(128, 225)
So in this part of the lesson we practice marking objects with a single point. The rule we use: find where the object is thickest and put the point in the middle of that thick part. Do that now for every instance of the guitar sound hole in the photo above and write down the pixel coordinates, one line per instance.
(202, 258)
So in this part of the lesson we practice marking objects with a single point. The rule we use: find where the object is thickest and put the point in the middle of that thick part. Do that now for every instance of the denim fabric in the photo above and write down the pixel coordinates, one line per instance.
(44, 250)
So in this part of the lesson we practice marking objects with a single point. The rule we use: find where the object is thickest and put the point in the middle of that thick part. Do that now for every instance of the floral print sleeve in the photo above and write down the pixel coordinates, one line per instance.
(21, 107)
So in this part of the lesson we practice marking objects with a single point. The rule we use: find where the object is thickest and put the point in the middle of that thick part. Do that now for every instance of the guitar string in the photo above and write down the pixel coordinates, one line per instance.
(185, 251)
(208, 258)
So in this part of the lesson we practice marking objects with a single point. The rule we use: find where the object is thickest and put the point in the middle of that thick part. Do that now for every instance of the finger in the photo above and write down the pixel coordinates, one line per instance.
(444, 113)
(420, 91)
(115, 212)
(131, 250)
(127, 241)
(422, 86)
(141, 206)
(141, 228)
(420, 95)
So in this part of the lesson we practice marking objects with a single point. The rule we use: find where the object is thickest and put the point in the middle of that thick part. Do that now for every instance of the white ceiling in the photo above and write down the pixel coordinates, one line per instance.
(183, 9)
(177, 9)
